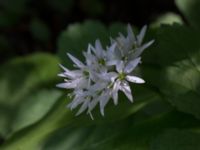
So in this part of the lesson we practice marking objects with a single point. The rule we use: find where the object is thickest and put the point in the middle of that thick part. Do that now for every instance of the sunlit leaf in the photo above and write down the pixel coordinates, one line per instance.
(18, 79)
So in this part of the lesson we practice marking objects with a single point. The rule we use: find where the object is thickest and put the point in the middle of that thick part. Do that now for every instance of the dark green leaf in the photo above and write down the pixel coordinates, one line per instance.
(174, 139)
(191, 10)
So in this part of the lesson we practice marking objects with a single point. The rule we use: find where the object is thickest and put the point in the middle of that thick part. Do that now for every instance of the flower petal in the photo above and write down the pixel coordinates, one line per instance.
(83, 107)
(131, 35)
(127, 91)
(115, 92)
(66, 85)
(64, 68)
(98, 48)
(120, 67)
(134, 79)
(139, 50)
(103, 101)
(140, 37)
(132, 65)
(76, 61)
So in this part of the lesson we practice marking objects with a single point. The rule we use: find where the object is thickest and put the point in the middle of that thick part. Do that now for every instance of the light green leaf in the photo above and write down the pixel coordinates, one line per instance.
(18, 79)
(168, 18)
(34, 108)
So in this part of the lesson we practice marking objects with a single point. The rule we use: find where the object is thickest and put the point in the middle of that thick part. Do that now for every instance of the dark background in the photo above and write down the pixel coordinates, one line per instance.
(27, 26)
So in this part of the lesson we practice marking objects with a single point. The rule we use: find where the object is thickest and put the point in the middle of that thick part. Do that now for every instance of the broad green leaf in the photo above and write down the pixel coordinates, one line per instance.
(174, 68)
(34, 108)
(174, 139)
(32, 137)
(191, 10)
(18, 79)
(182, 86)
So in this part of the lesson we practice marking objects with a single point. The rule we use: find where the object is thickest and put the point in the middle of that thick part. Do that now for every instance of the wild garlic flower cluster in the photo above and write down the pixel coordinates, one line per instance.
(105, 72)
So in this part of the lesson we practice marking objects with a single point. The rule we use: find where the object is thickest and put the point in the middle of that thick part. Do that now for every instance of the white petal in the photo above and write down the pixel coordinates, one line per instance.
(127, 91)
(61, 75)
(76, 61)
(77, 101)
(93, 104)
(66, 85)
(120, 67)
(134, 79)
(89, 48)
(99, 49)
(64, 68)
(91, 116)
(132, 65)
(142, 48)
(112, 47)
(115, 92)
(103, 101)
(90, 59)
(131, 35)
(112, 62)
(83, 107)
(73, 74)
(140, 37)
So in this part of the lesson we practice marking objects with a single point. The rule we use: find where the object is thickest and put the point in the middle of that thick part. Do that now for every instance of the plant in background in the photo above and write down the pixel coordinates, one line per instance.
(105, 72)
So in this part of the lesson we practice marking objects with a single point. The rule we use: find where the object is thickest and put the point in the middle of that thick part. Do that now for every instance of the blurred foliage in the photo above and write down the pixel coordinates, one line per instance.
(168, 18)
(164, 116)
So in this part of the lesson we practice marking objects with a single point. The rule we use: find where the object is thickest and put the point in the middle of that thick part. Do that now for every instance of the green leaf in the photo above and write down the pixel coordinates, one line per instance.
(20, 78)
(32, 137)
(191, 10)
(174, 139)
(174, 68)
(121, 134)
(182, 86)
(34, 108)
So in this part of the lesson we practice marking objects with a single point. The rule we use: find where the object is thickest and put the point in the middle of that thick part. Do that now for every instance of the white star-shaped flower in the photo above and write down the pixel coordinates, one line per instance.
(105, 72)
(122, 77)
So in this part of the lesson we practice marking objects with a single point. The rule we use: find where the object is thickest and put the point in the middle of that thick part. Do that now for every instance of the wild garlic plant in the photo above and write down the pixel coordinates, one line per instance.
(105, 72)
